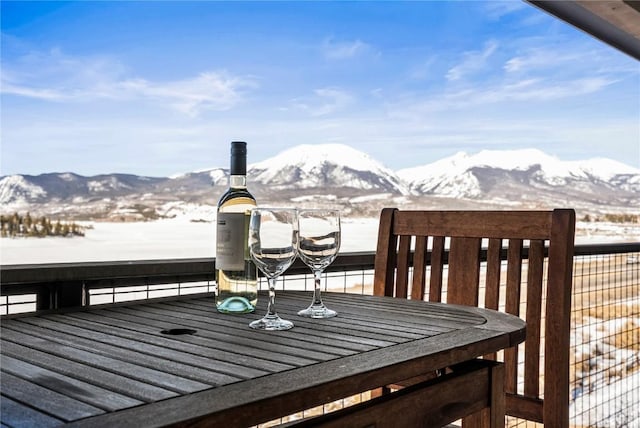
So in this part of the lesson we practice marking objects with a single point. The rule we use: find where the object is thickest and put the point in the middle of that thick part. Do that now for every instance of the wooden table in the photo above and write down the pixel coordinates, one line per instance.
(117, 366)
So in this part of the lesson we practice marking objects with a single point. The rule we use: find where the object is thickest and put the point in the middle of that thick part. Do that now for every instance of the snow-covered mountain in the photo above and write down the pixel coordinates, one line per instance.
(493, 172)
(65, 186)
(339, 174)
(326, 166)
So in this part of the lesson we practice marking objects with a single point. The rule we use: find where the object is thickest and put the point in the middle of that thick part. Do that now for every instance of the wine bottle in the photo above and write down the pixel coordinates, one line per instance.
(236, 275)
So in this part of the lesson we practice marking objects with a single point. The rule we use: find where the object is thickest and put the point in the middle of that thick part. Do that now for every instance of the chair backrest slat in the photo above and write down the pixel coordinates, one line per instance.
(418, 284)
(514, 224)
(437, 269)
(464, 271)
(494, 267)
(512, 306)
(492, 280)
(514, 276)
(545, 296)
(535, 271)
(383, 283)
(402, 275)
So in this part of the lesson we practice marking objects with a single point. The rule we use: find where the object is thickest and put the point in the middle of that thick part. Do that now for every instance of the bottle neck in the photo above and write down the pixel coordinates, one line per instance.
(238, 181)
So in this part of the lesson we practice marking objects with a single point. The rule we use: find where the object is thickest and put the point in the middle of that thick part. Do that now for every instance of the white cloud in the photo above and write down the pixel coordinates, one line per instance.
(548, 92)
(423, 70)
(43, 94)
(520, 91)
(498, 9)
(344, 50)
(207, 91)
(473, 61)
(58, 77)
(540, 58)
(325, 101)
(537, 72)
(52, 75)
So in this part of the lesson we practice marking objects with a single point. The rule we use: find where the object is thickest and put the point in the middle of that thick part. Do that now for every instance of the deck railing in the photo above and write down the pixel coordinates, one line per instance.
(605, 350)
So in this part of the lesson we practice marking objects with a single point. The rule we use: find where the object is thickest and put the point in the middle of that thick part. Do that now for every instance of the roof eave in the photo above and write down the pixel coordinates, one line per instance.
(615, 22)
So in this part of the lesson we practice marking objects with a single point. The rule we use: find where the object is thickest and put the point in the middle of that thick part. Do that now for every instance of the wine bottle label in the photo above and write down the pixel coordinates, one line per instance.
(231, 241)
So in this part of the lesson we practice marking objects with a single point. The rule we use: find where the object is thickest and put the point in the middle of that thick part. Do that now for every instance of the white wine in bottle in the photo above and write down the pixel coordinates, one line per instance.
(236, 273)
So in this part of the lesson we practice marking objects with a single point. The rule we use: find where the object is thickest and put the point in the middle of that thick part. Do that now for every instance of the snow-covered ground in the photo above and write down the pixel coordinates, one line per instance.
(608, 391)
(179, 237)
(614, 405)
(188, 236)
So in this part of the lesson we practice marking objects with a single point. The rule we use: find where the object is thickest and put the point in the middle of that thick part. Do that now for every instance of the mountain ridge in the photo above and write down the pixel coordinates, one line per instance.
(340, 175)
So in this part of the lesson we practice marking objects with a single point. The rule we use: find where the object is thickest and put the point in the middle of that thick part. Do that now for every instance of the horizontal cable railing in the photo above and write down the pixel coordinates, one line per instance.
(605, 348)
(51, 286)
(60, 285)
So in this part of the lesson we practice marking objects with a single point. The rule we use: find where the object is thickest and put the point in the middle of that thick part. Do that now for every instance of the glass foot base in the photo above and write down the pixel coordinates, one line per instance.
(273, 322)
(317, 311)
(235, 305)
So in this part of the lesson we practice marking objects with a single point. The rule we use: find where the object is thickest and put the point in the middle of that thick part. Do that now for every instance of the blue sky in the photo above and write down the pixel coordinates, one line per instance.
(160, 87)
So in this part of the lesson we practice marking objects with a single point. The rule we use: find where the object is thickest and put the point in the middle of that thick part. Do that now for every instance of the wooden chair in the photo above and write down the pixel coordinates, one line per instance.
(410, 241)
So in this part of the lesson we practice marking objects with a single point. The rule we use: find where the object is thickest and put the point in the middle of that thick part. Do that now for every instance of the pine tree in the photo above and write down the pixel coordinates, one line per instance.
(45, 229)
(28, 222)
(76, 229)
(4, 226)
(57, 229)
(17, 225)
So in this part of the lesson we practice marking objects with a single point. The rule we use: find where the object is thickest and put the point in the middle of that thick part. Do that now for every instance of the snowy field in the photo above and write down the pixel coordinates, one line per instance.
(613, 405)
(181, 237)
(610, 397)
(175, 238)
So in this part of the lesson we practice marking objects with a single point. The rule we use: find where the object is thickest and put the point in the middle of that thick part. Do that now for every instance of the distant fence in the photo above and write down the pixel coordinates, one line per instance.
(605, 344)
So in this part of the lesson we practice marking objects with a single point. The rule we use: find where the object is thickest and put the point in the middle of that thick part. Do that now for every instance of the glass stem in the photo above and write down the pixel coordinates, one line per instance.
(317, 299)
(271, 306)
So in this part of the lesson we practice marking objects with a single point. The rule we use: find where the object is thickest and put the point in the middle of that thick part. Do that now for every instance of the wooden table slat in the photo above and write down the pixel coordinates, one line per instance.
(114, 382)
(141, 332)
(240, 340)
(313, 331)
(360, 322)
(208, 328)
(369, 304)
(198, 368)
(347, 344)
(82, 391)
(60, 405)
(177, 343)
(131, 370)
(328, 337)
(17, 415)
(238, 323)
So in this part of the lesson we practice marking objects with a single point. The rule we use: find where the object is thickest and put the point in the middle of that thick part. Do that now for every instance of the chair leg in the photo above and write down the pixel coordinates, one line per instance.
(497, 397)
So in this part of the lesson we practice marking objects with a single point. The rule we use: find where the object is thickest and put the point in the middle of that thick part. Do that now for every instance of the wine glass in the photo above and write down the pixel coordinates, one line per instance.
(318, 245)
(272, 245)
